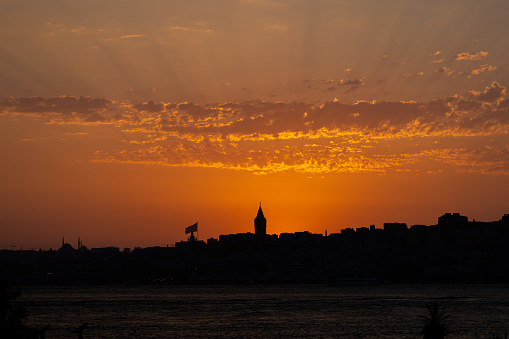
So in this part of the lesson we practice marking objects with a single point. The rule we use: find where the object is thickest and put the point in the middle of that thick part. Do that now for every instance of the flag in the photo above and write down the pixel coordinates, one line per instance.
(192, 228)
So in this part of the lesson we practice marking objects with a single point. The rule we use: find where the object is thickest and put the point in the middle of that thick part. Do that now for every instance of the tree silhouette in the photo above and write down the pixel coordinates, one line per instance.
(436, 324)
(11, 317)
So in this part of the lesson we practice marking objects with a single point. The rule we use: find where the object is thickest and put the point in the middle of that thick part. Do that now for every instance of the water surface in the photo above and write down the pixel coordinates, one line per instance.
(385, 311)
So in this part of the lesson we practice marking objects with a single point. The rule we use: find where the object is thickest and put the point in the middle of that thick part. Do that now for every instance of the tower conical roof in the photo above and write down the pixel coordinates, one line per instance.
(260, 213)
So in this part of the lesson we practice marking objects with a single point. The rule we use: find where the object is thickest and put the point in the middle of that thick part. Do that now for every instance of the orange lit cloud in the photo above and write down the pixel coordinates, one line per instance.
(471, 57)
(444, 70)
(270, 137)
(484, 68)
(131, 36)
(412, 75)
(197, 28)
(493, 93)
(353, 84)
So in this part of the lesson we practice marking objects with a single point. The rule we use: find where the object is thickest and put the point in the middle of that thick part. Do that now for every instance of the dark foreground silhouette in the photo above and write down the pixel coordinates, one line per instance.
(453, 250)
(11, 317)
(436, 324)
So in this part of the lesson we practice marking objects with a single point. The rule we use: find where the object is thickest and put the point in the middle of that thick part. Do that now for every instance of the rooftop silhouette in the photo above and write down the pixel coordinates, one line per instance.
(454, 249)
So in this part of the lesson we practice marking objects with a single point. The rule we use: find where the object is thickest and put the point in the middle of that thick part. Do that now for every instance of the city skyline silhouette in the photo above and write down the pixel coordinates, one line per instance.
(453, 249)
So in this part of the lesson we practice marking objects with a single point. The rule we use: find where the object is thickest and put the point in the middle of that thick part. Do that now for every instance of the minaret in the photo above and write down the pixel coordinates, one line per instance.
(260, 224)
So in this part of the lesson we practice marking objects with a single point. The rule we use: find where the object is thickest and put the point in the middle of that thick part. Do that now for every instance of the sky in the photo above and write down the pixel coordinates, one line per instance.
(122, 122)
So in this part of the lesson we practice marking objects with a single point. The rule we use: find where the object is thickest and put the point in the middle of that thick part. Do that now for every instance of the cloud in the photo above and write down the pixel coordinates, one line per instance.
(150, 106)
(484, 68)
(61, 104)
(492, 93)
(326, 81)
(444, 70)
(196, 28)
(484, 159)
(412, 75)
(132, 36)
(352, 83)
(470, 57)
(270, 137)
(56, 29)
(196, 111)
(76, 133)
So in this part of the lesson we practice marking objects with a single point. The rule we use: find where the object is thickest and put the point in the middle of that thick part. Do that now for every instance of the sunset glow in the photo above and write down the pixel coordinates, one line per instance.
(124, 122)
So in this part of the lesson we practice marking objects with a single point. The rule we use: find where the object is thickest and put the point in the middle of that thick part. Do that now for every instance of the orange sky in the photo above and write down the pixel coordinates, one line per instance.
(123, 122)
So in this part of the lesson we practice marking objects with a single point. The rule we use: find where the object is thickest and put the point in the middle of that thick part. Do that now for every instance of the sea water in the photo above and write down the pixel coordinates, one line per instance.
(261, 311)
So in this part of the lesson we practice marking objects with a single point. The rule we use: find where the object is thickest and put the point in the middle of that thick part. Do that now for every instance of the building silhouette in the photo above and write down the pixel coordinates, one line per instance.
(260, 224)
(453, 249)
(452, 219)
